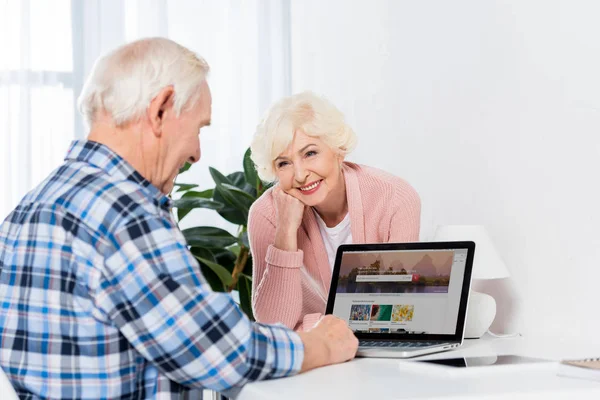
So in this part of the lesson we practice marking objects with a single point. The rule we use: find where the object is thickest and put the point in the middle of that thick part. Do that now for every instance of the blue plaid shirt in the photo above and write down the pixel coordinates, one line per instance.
(101, 297)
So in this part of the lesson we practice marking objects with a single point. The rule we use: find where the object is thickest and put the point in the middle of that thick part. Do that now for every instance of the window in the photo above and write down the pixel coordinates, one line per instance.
(36, 93)
(49, 47)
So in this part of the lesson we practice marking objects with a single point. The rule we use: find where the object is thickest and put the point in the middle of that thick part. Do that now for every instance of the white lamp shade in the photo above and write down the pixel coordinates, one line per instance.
(487, 263)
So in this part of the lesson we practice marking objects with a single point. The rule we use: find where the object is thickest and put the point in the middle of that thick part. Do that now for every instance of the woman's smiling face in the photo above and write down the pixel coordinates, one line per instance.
(309, 169)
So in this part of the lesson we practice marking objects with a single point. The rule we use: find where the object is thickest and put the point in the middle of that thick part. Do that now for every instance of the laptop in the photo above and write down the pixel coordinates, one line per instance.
(403, 299)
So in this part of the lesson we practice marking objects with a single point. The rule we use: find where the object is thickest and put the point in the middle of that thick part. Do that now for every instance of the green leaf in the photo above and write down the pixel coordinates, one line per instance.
(248, 267)
(221, 271)
(236, 204)
(208, 237)
(211, 277)
(250, 170)
(235, 249)
(181, 213)
(231, 214)
(182, 187)
(219, 177)
(206, 194)
(190, 203)
(225, 258)
(185, 167)
(239, 180)
(235, 196)
(241, 192)
(244, 287)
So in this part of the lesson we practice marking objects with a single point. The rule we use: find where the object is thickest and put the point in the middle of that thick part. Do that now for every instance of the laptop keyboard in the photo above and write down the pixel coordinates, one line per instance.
(395, 344)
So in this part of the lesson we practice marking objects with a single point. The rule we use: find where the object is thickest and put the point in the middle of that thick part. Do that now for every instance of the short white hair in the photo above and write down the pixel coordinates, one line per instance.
(313, 114)
(124, 81)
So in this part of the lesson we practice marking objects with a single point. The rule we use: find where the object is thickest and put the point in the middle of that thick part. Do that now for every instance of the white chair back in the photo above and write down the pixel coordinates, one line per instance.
(8, 392)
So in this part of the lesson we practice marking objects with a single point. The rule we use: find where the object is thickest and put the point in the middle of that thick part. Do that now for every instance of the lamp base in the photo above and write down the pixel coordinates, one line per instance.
(481, 312)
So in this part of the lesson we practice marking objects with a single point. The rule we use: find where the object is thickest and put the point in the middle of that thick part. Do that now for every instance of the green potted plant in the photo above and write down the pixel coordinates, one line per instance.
(225, 260)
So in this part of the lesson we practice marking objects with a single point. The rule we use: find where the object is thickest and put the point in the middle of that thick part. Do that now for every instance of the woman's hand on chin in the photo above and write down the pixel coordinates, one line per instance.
(289, 211)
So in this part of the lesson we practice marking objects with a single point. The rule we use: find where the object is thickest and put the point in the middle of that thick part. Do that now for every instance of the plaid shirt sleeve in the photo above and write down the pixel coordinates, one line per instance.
(153, 291)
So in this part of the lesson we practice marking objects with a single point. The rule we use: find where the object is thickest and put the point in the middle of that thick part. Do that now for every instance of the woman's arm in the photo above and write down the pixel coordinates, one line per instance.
(276, 275)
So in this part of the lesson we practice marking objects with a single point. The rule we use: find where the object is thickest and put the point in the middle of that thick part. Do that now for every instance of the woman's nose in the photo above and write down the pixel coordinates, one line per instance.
(300, 174)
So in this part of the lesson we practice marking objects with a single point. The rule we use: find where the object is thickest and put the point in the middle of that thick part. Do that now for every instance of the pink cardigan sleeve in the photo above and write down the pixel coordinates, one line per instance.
(405, 223)
(276, 275)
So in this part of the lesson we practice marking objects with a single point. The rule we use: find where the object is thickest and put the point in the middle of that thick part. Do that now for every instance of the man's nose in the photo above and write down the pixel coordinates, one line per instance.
(195, 157)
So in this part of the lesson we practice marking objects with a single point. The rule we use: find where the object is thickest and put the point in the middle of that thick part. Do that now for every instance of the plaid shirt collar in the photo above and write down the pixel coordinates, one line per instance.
(104, 158)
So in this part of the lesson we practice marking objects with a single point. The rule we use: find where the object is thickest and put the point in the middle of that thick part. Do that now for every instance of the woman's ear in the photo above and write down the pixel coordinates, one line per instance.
(159, 106)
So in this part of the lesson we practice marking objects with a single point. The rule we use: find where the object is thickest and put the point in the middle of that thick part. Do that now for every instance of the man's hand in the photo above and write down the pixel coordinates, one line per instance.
(289, 211)
(329, 342)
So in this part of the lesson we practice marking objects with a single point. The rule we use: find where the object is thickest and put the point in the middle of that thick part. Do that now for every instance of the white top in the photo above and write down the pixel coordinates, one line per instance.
(335, 236)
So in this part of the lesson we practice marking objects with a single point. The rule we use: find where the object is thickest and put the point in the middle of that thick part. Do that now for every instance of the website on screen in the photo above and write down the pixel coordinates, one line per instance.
(401, 291)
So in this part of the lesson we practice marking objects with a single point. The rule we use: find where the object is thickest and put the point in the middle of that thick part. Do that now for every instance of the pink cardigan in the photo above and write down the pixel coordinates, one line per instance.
(292, 287)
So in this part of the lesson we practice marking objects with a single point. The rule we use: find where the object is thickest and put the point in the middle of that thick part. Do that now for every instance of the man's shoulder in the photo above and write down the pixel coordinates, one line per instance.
(92, 196)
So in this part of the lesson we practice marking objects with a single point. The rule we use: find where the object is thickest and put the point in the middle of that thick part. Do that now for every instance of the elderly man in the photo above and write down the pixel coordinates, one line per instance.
(100, 296)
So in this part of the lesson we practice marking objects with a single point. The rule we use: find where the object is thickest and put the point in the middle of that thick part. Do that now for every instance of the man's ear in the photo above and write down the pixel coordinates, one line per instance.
(159, 105)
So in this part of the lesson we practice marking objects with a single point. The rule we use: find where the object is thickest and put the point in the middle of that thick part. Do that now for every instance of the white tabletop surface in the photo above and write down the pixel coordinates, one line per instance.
(370, 378)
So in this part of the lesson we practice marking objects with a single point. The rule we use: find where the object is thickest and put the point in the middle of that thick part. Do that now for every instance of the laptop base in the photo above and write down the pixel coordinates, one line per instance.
(403, 352)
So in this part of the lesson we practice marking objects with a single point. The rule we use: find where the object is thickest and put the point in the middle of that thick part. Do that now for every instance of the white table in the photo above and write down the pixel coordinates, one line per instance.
(369, 378)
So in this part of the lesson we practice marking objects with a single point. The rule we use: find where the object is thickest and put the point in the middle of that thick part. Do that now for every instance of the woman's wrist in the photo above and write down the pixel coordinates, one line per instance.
(286, 240)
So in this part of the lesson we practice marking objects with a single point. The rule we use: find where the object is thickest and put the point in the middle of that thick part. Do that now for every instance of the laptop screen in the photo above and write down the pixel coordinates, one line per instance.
(402, 291)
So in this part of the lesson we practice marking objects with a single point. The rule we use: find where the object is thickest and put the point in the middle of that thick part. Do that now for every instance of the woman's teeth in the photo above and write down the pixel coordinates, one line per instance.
(311, 187)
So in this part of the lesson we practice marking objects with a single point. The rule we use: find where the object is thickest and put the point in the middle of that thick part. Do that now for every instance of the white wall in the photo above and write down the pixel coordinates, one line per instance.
(491, 109)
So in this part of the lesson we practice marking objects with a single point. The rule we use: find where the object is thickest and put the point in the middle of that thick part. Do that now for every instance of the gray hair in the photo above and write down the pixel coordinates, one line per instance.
(313, 114)
(124, 81)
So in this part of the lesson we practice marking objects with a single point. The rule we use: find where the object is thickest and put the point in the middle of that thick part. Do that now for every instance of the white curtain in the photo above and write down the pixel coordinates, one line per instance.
(36, 92)
(48, 48)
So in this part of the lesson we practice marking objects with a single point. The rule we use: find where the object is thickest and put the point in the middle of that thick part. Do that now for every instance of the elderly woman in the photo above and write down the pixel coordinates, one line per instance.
(319, 202)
